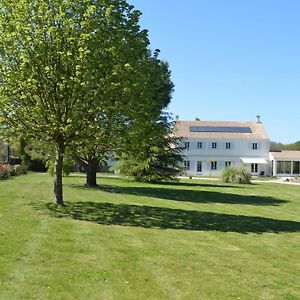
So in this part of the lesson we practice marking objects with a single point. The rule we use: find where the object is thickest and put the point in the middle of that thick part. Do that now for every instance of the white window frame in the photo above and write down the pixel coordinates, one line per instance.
(228, 145)
(199, 145)
(254, 146)
(186, 145)
(214, 145)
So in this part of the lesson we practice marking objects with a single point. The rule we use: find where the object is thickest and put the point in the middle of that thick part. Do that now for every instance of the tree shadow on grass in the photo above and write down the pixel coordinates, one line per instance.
(166, 218)
(195, 196)
(217, 184)
(195, 183)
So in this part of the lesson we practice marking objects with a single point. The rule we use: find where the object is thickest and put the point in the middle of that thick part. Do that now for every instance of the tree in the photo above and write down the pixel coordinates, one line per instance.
(107, 133)
(150, 93)
(155, 154)
(62, 63)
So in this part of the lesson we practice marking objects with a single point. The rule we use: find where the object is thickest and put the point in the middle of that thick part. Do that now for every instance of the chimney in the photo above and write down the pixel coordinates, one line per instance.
(258, 119)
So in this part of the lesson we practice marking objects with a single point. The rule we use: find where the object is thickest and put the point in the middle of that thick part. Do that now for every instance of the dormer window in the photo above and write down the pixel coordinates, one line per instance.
(254, 146)
(214, 145)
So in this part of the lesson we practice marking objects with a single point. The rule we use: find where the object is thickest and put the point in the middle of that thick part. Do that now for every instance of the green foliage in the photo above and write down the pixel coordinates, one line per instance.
(294, 146)
(148, 96)
(11, 170)
(155, 154)
(154, 168)
(150, 152)
(3, 155)
(274, 146)
(50, 164)
(24, 155)
(236, 175)
(65, 66)
(20, 169)
(68, 167)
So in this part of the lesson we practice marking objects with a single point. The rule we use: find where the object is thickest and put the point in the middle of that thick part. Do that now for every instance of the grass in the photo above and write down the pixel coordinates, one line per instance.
(261, 178)
(126, 240)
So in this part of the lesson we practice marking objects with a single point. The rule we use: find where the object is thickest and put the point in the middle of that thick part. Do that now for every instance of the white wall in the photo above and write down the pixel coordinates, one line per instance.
(239, 148)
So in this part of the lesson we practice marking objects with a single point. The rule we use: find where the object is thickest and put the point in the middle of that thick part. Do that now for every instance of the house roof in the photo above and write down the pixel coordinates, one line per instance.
(286, 155)
(219, 130)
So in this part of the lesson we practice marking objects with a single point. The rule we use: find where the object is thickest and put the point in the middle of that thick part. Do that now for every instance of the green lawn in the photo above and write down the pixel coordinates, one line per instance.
(126, 240)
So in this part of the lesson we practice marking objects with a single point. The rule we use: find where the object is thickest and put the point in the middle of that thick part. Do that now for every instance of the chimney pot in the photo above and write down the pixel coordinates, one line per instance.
(258, 119)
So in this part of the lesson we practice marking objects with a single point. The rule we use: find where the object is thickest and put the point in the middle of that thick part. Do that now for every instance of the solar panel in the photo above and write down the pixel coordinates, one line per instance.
(220, 129)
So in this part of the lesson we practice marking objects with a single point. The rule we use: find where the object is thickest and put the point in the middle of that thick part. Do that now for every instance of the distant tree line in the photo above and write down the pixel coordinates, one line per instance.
(277, 146)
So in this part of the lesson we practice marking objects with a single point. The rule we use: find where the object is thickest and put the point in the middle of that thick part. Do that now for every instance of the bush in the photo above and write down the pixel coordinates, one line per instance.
(4, 172)
(236, 175)
(8, 170)
(11, 170)
(20, 169)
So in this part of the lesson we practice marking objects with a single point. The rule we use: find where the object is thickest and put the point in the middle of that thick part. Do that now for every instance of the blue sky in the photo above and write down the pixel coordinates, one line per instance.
(231, 59)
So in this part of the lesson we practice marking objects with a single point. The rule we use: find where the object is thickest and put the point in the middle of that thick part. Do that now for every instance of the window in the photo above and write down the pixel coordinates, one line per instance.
(214, 145)
(254, 146)
(213, 165)
(199, 166)
(186, 145)
(284, 167)
(228, 145)
(254, 168)
(227, 164)
(296, 167)
(186, 164)
(199, 145)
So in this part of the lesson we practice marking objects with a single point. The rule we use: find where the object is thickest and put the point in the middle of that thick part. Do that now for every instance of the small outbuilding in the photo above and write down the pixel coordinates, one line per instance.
(285, 163)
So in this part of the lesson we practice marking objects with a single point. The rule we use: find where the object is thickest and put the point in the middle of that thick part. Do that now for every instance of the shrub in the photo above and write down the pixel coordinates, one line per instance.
(228, 174)
(20, 169)
(236, 175)
(4, 171)
(11, 170)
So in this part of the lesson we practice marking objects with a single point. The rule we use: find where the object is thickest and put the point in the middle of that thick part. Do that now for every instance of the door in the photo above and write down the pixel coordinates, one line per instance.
(254, 169)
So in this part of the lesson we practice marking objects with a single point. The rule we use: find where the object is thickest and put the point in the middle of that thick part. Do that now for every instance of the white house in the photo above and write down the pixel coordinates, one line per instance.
(210, 146)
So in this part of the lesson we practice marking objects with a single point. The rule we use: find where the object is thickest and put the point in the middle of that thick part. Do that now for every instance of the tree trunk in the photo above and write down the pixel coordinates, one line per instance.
(91, 172)
(58, 189)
